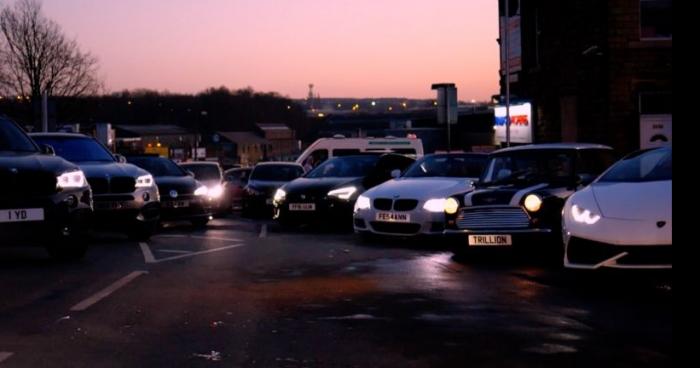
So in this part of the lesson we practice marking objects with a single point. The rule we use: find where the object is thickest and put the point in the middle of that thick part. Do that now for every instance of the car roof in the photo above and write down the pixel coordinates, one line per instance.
(211, 163)
(553, 146)
(277, 163)
(59, 135)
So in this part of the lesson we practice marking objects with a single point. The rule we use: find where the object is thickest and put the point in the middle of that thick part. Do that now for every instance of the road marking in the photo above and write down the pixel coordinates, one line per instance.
(87, 303)
(198, 237)
(263, 231)
(174, 251)
(5, 356)
(148, 255)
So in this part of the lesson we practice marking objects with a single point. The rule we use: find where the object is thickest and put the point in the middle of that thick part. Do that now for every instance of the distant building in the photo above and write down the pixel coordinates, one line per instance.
(591, 70)
(244, 148)
(282, 140)
(166, 140)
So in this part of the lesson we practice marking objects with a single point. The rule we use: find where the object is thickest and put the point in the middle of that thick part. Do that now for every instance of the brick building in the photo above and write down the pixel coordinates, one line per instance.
(593, 70)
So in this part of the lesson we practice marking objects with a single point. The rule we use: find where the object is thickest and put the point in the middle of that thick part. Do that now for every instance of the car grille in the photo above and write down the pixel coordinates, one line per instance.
(592, 252)
(27, 183)
(491, 198)
(386, 204)
(395, 228)
(120, 184)
(493, 218)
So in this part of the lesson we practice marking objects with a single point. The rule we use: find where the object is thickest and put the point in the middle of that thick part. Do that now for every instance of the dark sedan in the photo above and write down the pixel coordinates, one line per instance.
(518, 201)
(182, 196)
(264, 181)
(44, 200)
(328, 192)
(126, 197)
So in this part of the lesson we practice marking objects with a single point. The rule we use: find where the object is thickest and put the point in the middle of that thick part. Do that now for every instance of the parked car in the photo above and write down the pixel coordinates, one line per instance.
(125, 196)
(328, 193)
(338, 146)
(264, 181)
(182, 196)
(415, 203)
(624, 218)
(210, 174)
(236, 179)
(44, 200)
(519, 199)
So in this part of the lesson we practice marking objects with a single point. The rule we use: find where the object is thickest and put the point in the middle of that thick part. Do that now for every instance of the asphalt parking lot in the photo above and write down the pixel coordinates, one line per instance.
(248, 293)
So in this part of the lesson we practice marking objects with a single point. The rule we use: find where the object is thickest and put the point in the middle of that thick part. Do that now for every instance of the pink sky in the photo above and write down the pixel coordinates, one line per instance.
(347, 48)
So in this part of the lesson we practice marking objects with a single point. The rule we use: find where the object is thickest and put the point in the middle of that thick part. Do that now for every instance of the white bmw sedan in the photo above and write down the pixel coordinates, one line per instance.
(623, 219)
(415, 203)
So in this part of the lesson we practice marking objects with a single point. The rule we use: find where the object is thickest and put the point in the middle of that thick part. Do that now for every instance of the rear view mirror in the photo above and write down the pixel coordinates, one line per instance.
(48, 150)
(190, 173)
(121, 159)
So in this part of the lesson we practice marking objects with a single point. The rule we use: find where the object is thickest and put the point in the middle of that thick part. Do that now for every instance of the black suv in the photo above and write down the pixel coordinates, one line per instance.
(44, 200)
(126, 196)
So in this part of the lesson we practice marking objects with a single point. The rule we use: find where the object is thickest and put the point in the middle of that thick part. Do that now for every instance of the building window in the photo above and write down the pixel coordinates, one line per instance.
(655, 19)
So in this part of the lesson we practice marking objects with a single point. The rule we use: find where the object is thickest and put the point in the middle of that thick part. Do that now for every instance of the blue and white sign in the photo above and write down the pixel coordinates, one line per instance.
(520, 123)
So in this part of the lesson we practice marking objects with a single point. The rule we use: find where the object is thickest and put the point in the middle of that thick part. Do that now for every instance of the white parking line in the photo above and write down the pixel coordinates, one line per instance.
(263, 231)
(148, 255)
(94, 299)
(197, 237)
(174, 251)
(4, 355)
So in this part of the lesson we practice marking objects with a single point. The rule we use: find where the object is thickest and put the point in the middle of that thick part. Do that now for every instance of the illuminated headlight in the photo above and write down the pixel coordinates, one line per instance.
(201, 191)
(584, 216)
(533, 203)
(216, 191)
(451, 206)
(280, 195)
(362, 203)
(73, 179)
(435, 205)
(343, 193)
(145, 181)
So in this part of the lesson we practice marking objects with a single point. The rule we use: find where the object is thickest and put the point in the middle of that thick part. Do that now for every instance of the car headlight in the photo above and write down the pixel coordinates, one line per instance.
(533, 203)
(435, 205)
(69, 180)
(451, 206)
(362, 203)
(583, 215)
(279, 196)
(343, 193)
(216, 191)
(201, 191)
(145, 181)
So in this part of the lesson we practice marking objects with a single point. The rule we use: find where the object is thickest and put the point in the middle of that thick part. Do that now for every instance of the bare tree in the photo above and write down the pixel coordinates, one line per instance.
(36, 57)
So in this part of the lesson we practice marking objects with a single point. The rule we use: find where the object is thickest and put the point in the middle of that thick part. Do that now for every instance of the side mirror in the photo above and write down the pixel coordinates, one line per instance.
(48, 150)
(121, 159)
(190, 173)
(584, 179)
(395, 174)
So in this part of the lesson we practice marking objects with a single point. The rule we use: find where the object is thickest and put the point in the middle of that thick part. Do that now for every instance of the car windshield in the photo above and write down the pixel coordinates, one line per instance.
(77, 149)
(276, 172)
(204, 172)
(530, 167)
(158, 166)
(344, 167)
(451, 166)
(13, 139)
(642, 166)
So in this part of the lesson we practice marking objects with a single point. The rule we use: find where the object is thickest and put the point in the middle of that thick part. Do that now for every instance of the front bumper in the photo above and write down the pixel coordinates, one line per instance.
(141, 206)
(421, 222)
(197, 208)
(587, 254)
(331, 211)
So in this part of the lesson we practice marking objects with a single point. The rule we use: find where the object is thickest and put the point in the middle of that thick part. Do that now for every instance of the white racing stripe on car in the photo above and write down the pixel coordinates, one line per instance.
(468, 196)
(515, 201)
(4, 355)
(96, 298)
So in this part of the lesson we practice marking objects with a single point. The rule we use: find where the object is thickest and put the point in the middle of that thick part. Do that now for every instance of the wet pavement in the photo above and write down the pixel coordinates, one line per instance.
(248, 293)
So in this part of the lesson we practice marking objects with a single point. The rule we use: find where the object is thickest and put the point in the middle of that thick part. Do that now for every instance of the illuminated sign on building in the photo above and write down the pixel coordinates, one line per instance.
(520, 123)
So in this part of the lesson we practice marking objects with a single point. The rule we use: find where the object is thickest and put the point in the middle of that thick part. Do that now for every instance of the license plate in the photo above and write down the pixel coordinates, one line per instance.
(490, 240)
(111, 205)
(22, 215)
(302, 207)
(176, 204)
(393, 217)
(268, 201)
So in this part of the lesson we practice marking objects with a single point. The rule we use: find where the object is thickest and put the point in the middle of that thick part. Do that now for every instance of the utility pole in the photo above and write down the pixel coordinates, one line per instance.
(44, 111)
(507, 67)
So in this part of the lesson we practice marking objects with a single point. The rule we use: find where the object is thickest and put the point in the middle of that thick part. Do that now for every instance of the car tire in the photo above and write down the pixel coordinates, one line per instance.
(200, 223)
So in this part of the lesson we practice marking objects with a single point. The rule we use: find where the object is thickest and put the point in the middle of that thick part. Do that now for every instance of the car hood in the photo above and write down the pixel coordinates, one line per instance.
(210, 183)
(266, 186)
(318, 186)
(112, 169)
(180, 184)
(634, 201)
(420, 188)
(35, 162)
